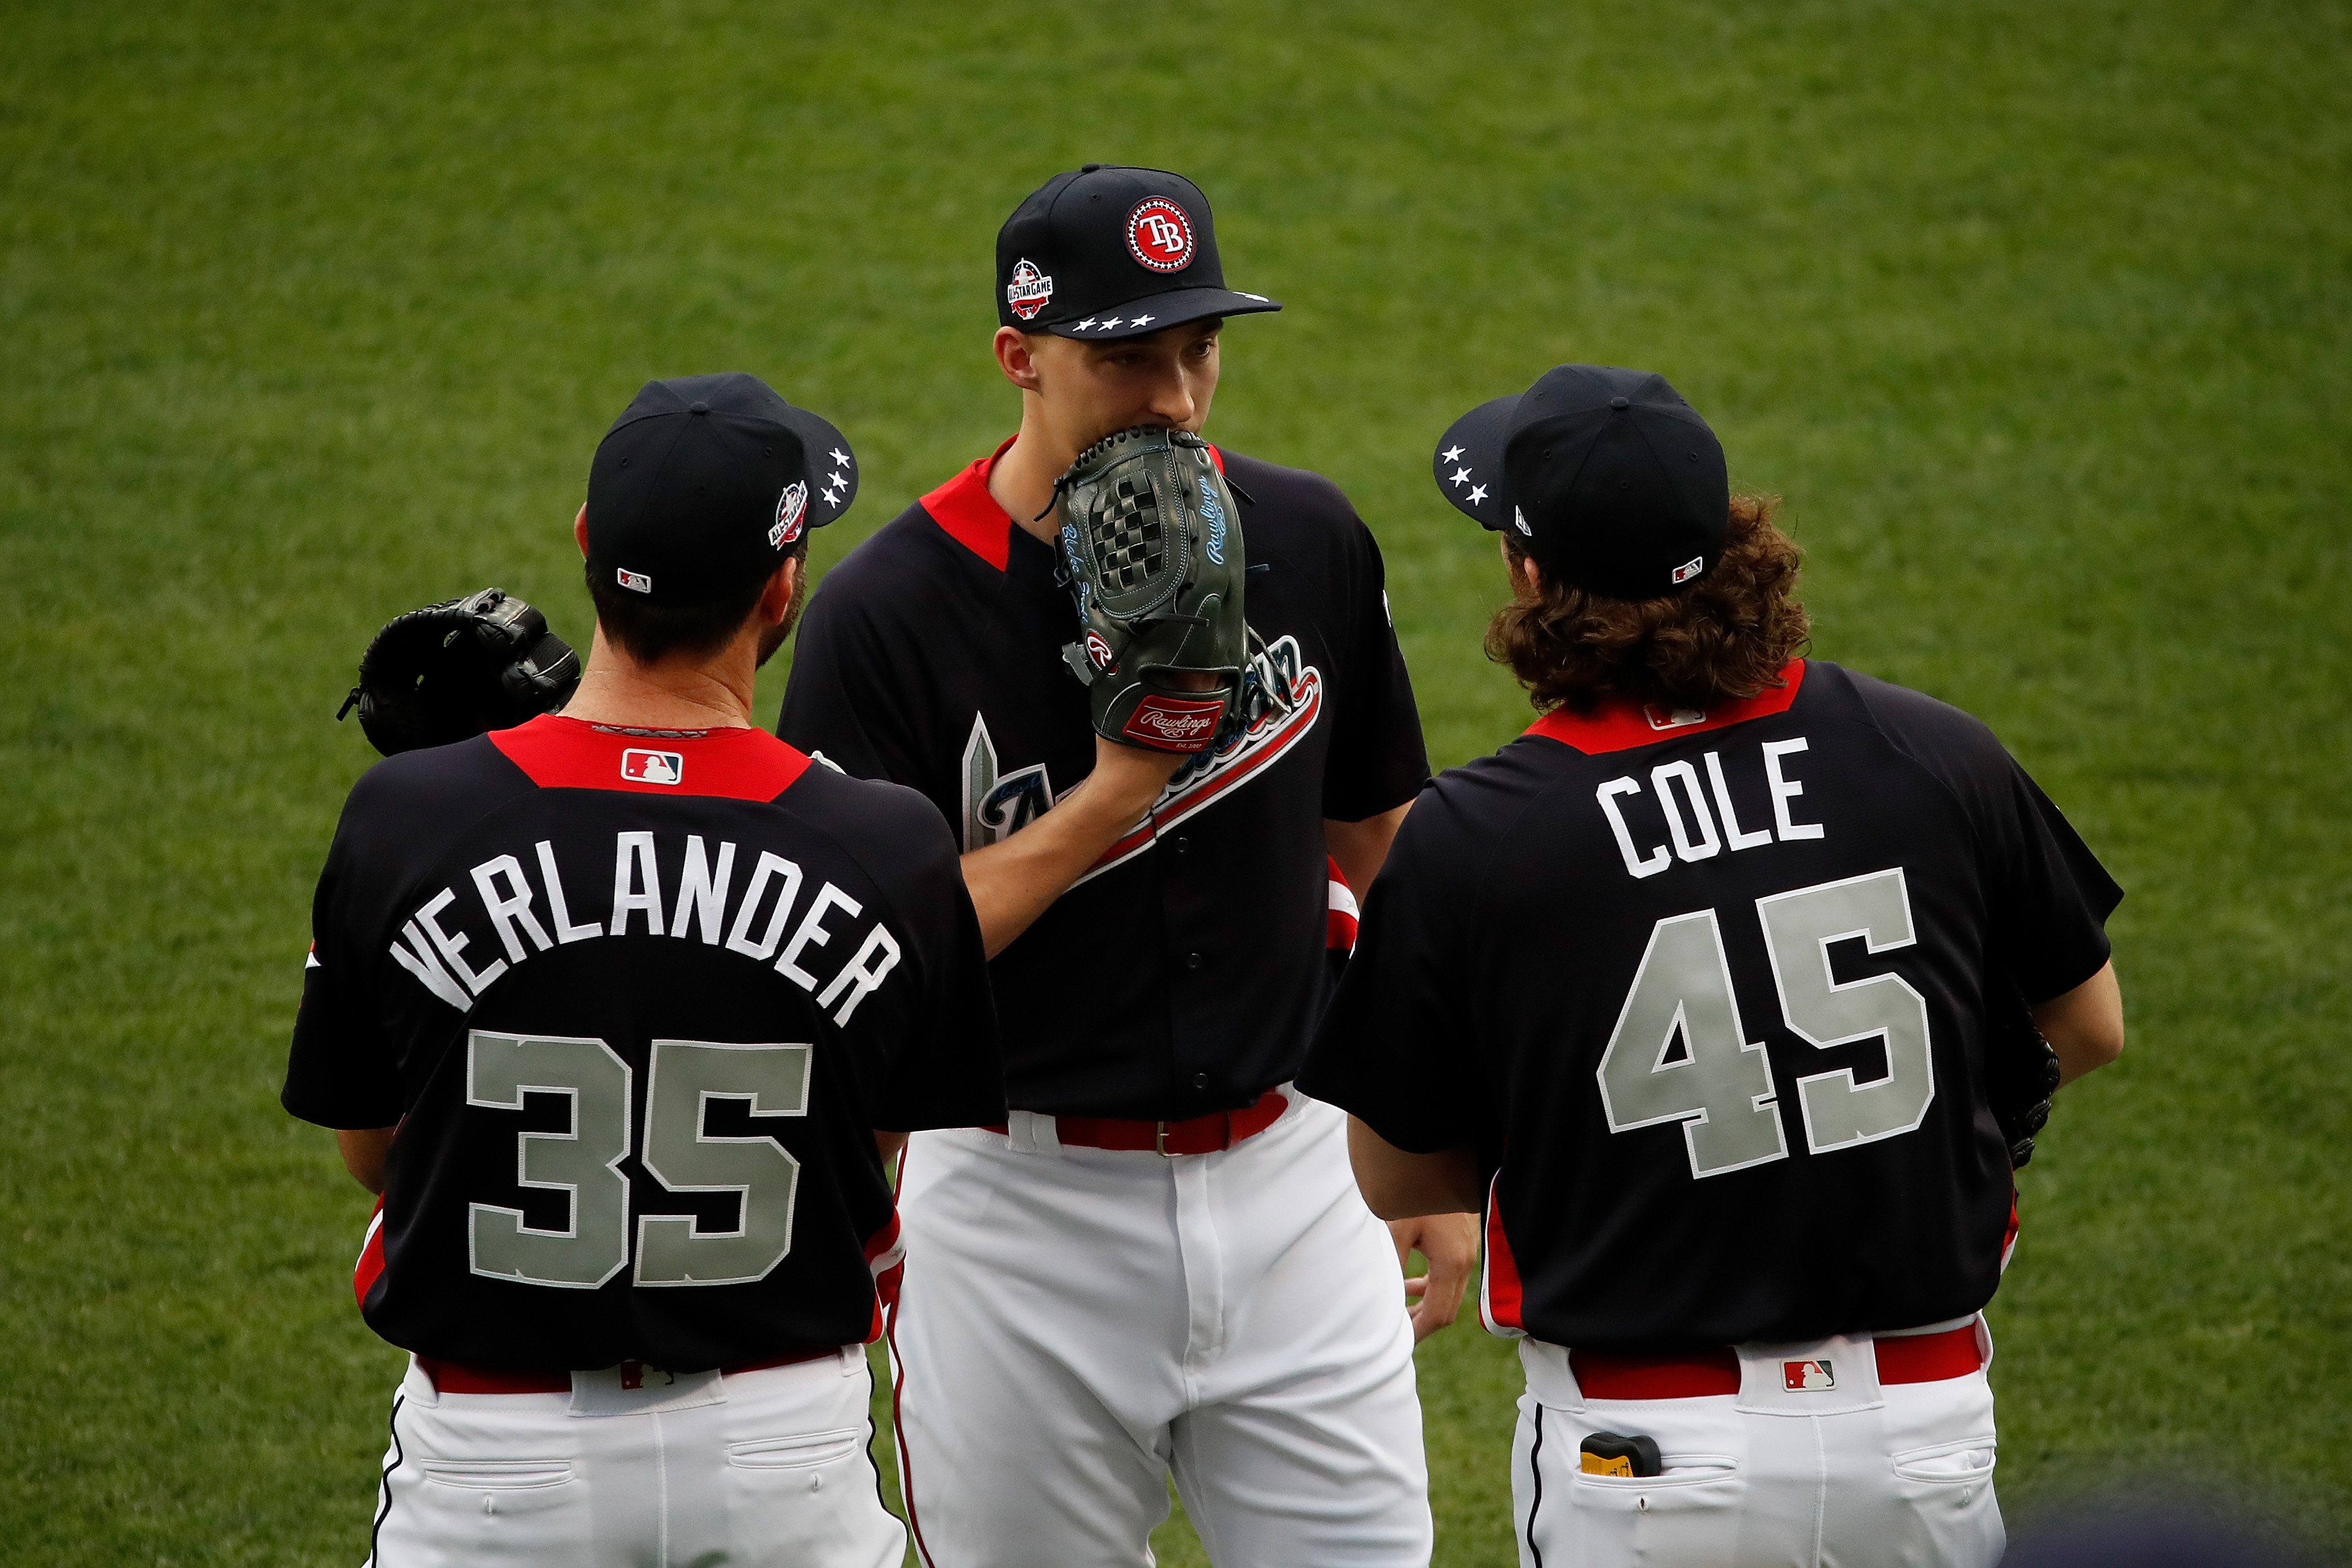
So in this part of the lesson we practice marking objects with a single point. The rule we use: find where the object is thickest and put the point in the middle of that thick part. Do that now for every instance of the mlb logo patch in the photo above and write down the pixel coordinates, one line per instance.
(1805, 1376)
(635, 581)
(653, 767)
(1681, 718)
(1688, 569)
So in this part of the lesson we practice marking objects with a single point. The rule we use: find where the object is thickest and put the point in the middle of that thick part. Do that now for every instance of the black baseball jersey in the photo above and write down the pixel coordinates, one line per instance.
(1707, 993)
(932, 656)
(636, 1000)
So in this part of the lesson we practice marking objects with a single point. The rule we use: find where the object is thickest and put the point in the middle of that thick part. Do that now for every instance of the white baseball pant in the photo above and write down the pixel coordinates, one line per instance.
(1858, 1476)
(1076, 1324)
(753, 1469)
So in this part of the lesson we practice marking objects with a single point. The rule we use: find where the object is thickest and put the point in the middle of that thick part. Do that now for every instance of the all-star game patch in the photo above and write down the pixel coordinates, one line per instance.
(1030, 290)
(792, 511)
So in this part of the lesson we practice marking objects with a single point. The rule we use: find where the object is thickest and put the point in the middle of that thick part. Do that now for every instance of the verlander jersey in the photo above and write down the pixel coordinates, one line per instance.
(636, 1001)
(931, 657)
(1707, 994)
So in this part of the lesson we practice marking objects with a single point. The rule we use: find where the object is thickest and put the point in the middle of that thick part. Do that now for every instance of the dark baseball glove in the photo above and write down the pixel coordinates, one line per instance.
(2021, 1074)
(453, 669)
(1151, 552)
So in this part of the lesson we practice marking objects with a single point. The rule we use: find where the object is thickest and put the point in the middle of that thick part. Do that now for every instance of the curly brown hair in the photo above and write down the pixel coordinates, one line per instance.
(1725, 638)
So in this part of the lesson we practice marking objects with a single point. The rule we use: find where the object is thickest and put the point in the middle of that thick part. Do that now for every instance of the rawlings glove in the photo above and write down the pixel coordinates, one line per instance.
(2020, 1075)
(1151, 552)
(453, 669)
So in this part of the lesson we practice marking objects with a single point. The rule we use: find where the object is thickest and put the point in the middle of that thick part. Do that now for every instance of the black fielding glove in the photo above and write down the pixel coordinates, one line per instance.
(1151, 552)
(2020, 1073)
(455, 670)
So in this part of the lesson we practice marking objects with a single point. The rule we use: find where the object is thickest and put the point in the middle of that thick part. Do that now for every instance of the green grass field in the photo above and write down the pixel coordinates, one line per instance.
(2036, 313)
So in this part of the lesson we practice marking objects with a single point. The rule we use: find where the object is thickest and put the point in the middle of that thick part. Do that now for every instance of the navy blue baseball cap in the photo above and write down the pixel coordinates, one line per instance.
(704, 484)
(1107, 251)
(1606, 476)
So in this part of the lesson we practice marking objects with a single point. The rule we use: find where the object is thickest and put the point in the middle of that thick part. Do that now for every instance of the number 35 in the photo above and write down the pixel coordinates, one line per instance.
(1721, 1089)
(584, 1161)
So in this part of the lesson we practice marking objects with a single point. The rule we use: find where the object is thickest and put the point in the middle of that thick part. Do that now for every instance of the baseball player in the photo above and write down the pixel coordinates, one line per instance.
(608, 1006)
(1707, 991)
(1159, 1261)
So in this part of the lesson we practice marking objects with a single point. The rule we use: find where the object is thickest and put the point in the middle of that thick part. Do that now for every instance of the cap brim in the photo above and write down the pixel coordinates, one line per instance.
(1468, 464)
(832, 466)
(1158, 312)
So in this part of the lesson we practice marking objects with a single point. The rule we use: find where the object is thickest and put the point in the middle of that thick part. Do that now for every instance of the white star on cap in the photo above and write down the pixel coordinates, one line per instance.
(841, 458)
(1451, 455)
(1462, 476)
(1477, 494)
(1140, 320)
(831, 499)
(1109, 322)
(1084, 325)
(842, 480)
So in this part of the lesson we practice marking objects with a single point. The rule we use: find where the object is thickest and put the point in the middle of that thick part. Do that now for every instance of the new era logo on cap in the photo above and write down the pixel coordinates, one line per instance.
(653, 767)
(635, 581)
(1802, 1376)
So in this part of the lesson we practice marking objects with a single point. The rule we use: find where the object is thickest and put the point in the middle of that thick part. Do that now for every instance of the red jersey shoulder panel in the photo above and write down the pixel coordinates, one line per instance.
(969, 515)
(1622, 726)
(559, 753)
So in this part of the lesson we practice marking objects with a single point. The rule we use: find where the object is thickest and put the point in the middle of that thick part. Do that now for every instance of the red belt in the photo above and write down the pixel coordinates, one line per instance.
(462, 1378)
(1906, 1358)
(1196, 1135)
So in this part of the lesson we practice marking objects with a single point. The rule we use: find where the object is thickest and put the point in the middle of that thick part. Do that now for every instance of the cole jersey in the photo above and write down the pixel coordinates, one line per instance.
(932, 657)
(1707, 993)
(636, 1000)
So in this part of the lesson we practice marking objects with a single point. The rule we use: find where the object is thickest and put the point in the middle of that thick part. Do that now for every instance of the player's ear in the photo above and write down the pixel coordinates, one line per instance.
(783, 587)
(1014, 358)
(580, 530)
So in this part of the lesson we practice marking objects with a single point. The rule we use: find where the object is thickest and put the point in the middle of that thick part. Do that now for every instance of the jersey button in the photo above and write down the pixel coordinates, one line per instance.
(1199, 1080)
(1178, 844)
(1192, 960)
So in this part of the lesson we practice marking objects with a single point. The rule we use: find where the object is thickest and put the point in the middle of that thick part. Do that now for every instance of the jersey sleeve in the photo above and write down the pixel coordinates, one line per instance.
(2047, 896)
(845, 702)
(945, 1067)
(342, 1070)
(1378, 761)
(1392, 1049)
(2050, 895)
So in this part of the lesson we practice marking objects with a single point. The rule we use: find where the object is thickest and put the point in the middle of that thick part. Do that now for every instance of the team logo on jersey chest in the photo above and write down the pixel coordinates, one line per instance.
(1030, 290)
(1806, 1376)
(653, 767)
(996, 805)
(1159, 234)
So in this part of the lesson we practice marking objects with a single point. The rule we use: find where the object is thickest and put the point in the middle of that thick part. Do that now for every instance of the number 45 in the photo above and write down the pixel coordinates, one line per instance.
(1720, 1087)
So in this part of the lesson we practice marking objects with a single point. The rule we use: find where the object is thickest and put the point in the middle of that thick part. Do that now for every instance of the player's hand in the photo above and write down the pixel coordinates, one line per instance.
(1450, 1242)
(1127, 779)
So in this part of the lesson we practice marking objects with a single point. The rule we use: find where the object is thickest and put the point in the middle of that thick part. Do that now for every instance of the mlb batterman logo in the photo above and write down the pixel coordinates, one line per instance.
(1030, 290)
(635, 581)
(1159, 234)
(792, 510)
(1688, 569)
(653, 767)
(1803, 1377)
